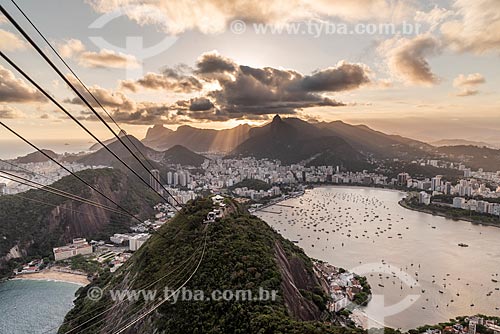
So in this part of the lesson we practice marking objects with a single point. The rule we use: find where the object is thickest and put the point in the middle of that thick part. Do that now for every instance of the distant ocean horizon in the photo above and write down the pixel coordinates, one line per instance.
(10, 148)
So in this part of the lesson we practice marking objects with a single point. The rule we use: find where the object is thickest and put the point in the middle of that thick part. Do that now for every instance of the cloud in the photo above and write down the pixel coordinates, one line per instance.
(16, 90)
(214, 63)
(107, 58)
(227, 90)
(406, 58)
(477, 27)
(176, 16)
(261, 91)
(468, 83)
(467, 92)
(170, 80)
(10, 41)
(74, 49)
(469, 80)
(7, 112)
(200, 104)
(71, 48)
(334, 79)
(109, 99)
(434, 17)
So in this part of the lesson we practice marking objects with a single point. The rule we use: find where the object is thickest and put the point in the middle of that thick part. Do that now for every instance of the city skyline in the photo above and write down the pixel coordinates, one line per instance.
(208, 65)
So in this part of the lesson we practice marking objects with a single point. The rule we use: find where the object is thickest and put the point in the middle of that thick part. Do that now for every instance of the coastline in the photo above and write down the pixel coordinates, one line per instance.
(444, 215)
(401, 203)
(324, 185)
(55, 276)
(416, 209)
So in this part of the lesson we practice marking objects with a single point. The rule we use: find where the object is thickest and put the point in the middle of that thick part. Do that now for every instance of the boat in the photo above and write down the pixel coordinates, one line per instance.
(463, 245)
(494, 280)
(381, 285)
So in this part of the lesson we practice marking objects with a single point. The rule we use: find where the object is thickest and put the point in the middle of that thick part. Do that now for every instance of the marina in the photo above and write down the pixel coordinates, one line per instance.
(406, 255)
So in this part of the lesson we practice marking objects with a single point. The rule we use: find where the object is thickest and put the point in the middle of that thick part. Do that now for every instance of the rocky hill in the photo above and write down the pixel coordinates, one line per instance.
(35, 221)
(179, 154)
(151, 158)
(242, 253)
(103, 158)
(292, 140)
(36, 157)
(195, 139)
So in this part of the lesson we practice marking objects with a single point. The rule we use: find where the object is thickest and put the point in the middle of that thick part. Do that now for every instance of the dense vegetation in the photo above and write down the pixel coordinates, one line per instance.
(32, 221)
(240, 254)
(472, 156)
(393, 168)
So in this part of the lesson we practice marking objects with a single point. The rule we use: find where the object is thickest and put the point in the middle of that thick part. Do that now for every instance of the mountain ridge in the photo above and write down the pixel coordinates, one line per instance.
(196, 139)
(292, 140)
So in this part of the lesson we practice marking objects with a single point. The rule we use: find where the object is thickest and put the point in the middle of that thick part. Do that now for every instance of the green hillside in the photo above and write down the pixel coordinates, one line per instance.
(242, 252)
(35, 221)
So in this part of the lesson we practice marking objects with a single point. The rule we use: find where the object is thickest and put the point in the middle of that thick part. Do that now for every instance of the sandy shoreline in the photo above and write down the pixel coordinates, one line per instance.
(57, 276)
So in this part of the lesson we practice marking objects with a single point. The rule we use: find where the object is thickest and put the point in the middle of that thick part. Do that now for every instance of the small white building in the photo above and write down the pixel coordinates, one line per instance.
(458, 202)
(424, 198)
(339, 303)
(217, 199)
(119, 239)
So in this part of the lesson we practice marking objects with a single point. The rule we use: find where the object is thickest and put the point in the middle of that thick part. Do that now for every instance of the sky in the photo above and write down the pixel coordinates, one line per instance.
(424, 69)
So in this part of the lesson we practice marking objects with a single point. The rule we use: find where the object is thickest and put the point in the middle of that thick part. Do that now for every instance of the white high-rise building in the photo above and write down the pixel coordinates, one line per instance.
(169, 178)
(154, 178)
(182, 179)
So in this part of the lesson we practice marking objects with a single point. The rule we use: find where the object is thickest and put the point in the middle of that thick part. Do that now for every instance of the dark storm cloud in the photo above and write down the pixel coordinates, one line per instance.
(231, 91)
(212, 62)
(201, 104)
(170, 80)
(343, 77)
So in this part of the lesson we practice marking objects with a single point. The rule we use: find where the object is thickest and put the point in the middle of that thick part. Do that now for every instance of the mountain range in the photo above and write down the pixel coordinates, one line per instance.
(290, 140)
(458, 142)
(239, 139)
(195, 139)
(151, 158)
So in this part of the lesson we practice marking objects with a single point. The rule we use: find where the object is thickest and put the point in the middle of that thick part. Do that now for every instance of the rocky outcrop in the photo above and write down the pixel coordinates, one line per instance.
(296, 277)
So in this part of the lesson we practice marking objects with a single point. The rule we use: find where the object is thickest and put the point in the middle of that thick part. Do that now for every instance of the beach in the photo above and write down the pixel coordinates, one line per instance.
(55, 275)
